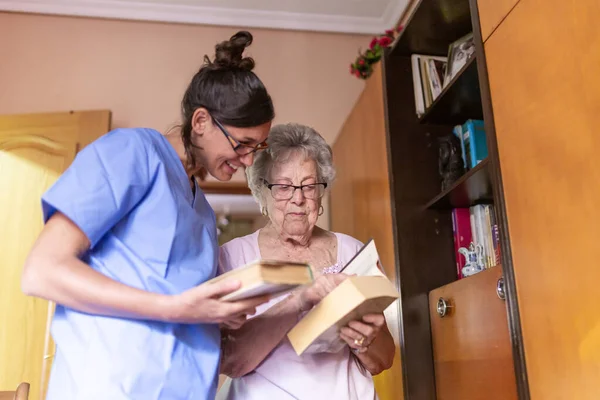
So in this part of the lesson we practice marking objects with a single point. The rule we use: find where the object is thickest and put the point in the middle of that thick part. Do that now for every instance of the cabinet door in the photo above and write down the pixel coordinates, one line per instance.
(34, 151)
(543, 66)
(471, 344)
(491, 14)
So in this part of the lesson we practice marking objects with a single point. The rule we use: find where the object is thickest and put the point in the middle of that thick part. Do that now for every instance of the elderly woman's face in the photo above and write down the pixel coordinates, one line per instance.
(298, 215)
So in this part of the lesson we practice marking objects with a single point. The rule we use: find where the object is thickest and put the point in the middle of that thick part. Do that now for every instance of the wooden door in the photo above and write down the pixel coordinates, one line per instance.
(543, 65)
(471, 343)
(34, 150)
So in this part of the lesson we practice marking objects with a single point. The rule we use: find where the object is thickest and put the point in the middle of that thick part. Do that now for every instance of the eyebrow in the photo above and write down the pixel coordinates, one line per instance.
(248, 140)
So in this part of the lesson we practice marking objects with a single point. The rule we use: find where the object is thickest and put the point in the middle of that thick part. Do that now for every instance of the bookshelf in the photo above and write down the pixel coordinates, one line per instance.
(459, 101)
(423, 215)
(474, 187)
(540, 121)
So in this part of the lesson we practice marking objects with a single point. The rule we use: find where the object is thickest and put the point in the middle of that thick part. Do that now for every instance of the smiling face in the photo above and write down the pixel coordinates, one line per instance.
(298, 215)
(217, 154)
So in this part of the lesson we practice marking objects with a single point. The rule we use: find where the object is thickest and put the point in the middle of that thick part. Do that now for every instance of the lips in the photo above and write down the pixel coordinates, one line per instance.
(297, 215)
(231, 167)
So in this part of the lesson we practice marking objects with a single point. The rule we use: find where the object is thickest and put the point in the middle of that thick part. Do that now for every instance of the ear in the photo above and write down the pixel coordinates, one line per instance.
(199, 119)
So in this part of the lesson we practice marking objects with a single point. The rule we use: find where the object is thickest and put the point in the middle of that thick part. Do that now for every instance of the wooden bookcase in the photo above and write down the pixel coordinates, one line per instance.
(425, 259)
(541, 119)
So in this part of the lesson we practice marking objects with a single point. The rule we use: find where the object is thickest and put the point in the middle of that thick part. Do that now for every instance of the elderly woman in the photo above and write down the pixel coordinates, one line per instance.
(289, 180)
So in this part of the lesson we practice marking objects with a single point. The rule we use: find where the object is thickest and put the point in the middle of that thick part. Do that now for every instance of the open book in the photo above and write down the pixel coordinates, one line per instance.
(368, 293)
(266, 277)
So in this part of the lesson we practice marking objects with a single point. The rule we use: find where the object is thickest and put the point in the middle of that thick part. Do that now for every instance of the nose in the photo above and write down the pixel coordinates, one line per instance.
(298, 196)
(247, 159)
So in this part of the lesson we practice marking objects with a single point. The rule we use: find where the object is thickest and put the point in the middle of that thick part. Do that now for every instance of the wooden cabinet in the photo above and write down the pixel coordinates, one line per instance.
(361, 198)
(492, 13)
(534, 81)
(472, 352)
(34, 150)
(543, 64)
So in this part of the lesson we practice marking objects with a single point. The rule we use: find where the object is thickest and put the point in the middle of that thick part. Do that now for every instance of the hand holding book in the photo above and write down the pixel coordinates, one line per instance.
(356, 297)
(311, 295)
(359, 335)
(205, 304)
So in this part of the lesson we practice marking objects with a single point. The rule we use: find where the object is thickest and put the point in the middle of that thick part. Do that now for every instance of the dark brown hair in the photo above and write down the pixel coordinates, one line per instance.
(228, 89)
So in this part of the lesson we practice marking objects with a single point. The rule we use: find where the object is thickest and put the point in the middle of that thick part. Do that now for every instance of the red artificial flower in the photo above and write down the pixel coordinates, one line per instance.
(399, 28)
(390, 32)
(373, 43)
(361, 62)
(357, 73)
(385, 41)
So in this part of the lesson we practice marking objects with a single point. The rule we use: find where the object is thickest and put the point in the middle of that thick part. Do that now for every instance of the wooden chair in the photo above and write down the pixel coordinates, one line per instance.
(22, 393)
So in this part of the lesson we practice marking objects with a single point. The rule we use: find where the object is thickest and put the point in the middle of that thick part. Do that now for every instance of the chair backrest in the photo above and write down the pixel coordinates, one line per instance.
(22, 393)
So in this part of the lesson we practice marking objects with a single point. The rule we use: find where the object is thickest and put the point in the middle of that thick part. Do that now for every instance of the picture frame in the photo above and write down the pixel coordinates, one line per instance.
(459, 53)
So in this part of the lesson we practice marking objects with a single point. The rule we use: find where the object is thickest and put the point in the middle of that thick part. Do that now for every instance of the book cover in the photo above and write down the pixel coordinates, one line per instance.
(266, 277)
(351, 300)
(475, 142)
(461, 228)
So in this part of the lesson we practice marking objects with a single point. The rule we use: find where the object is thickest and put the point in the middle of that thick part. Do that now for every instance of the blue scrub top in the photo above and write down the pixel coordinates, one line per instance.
(129, 193)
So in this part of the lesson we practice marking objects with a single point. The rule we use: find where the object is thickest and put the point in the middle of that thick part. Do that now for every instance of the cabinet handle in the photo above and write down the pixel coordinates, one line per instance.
(500, 289)
(443, 307)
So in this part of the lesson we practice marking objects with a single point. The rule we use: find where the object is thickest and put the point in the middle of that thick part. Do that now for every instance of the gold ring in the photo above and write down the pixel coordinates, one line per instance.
(359, 342)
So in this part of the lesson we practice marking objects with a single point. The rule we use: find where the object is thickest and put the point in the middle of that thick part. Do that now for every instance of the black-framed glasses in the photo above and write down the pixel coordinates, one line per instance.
(241, 148)
(283, 191)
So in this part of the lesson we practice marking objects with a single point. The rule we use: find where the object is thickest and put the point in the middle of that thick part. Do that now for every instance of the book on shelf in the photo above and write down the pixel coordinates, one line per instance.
(476, 238)
(266, 277)
(428, 78)
(472, 142)
(367, 293)
(461, 229)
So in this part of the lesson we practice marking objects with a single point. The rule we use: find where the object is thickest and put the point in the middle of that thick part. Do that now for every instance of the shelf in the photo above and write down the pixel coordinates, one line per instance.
(433, 26)
(216, 187)
(459, 101)
(472, 188)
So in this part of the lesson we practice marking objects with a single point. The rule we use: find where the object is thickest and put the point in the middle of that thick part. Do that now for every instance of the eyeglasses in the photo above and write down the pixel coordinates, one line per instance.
(241, 148)
(282, 191)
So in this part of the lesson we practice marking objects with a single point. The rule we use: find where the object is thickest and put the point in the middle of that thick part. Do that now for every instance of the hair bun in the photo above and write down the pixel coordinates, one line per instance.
(228, 54)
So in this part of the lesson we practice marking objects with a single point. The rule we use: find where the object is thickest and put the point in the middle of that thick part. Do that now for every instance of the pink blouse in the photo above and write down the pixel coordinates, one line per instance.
(283, 375)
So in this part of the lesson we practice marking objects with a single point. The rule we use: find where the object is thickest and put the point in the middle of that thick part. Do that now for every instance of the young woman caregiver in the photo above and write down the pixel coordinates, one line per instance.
(129, 237)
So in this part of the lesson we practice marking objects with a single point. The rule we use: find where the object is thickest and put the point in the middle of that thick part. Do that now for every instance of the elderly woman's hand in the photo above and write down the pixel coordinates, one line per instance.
(310, 295)
(360, 334)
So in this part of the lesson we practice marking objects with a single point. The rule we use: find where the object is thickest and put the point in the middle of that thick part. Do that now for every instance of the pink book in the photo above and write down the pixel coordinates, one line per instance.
(461, 228)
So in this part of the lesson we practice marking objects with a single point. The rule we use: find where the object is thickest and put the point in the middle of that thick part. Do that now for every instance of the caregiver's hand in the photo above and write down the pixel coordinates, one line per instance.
(202, 305)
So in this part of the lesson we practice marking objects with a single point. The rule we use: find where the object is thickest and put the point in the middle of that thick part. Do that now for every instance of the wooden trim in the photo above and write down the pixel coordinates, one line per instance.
(514, 319)
(214, 187)
(394, 219)
(411, 146)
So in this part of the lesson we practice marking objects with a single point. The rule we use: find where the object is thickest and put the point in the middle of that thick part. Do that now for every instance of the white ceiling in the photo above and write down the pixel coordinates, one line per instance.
(346, 16)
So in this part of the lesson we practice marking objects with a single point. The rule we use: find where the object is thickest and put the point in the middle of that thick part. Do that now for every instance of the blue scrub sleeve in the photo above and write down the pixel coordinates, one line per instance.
(107, 179)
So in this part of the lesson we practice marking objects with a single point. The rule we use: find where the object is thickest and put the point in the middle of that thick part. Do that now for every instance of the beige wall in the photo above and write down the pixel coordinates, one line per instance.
(139, 70)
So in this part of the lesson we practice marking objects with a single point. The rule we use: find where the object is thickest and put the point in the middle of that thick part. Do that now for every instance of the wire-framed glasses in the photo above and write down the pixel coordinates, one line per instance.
(284, 191)
(241, 148)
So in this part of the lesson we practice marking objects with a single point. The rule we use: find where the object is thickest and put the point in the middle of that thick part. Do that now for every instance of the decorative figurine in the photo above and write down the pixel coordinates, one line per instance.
(474, 259)
(451, 164)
